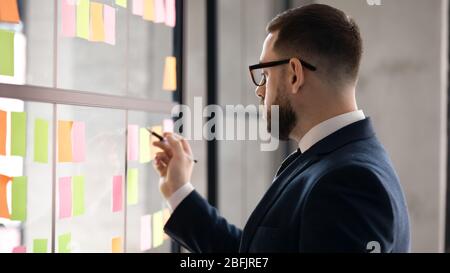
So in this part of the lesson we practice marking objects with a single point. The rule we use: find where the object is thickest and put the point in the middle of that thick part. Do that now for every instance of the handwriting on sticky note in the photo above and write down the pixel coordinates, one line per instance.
(97, 28)
(83, 20)
(18, 133)
(78, 189)
(132, 142)
(9, 12)
(117, 193)
(65, 141)
(170, 74)
(41, 141)
(68, 16)
(78, 141)
(6, 53)
(65, 197)
(132, 186)
(19, 199)
(110, 24)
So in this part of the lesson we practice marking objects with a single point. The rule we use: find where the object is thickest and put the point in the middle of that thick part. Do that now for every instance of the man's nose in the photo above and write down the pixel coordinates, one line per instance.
(260, 91)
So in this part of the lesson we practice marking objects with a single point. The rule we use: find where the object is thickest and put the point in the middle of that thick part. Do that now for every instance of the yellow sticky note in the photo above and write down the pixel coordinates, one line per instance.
(83, 9)
(153, 149)
(65, 141)
(122, 3)
(158, 229)
(97, 25)
(116, 245)
(144, 146)
(170, 74)
(149, 10)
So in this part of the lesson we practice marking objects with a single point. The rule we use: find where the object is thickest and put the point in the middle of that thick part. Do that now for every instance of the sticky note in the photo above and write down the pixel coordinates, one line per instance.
(19, 199)
(9, 12)
(40, 245)
(65, 197)
(41, 141)
(64, 242)
(170, 74)
(168, 126)
(18, 133)
(117, 193)
(122, 3)
(6, 53)
(160, 12)
(78, 195)
(97, 26)
(146, 232)
(116, 245)
(132, 186)
(171, 13)
(158, 229)
(132, 142)
(3, 117)
(144, 146)
(154, 150)
(110, 24)
(65, 141)
(166, 216)
(83, 21)
(4, 212)
(149, 10)
(138, 7)
(19, 249)
(78, 141)
(68, 13)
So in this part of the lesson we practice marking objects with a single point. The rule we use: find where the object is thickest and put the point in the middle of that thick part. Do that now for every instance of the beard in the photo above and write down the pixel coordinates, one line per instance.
(287, 118)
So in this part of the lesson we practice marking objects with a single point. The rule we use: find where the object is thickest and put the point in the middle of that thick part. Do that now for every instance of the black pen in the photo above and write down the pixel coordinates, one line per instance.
(161, 138)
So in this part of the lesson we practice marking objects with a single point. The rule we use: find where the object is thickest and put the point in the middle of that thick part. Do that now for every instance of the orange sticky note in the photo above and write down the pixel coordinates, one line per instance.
(97, 25)
(2, 133)
(4, 212)
(149, 10)
(65, 141)
(117, 245)
(170, 74)
(9, 12)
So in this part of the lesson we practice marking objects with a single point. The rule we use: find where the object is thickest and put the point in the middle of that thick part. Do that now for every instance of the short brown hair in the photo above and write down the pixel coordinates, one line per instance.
(323, 34)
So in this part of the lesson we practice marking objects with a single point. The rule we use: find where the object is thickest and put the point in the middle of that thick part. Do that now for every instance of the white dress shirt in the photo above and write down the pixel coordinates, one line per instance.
(316, 134)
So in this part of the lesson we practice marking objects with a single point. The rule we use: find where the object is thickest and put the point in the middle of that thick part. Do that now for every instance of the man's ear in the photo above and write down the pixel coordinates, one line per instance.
(296, 76)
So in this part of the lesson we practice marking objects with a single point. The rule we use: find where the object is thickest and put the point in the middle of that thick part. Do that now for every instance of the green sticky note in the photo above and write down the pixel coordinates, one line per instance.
(78, 195)
(83, 9)
(41, 141)
(19, 199)
(144, 146)
(18, 133)
(132, 186)
(6, 53)
(122, 3)
(64, 241)
(40, 246)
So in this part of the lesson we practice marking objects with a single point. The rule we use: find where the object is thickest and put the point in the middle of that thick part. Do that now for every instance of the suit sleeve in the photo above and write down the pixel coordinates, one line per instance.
(198, 227)
(346, 211)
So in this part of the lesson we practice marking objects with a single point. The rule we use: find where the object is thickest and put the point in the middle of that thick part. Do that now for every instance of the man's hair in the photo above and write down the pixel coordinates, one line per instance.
(321, 34)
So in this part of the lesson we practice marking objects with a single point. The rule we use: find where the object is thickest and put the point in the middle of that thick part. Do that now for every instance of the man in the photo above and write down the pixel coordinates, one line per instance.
(338, 192)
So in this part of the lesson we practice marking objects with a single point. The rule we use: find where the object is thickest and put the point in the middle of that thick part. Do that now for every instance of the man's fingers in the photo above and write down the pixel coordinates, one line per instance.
(162, 156)
(185, 145)
(165, 147)
(177, 149)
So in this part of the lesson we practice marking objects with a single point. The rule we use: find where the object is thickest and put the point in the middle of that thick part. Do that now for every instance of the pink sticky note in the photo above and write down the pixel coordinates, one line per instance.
(78, 141)
(109, 15)
(146, 232)
(19, 249)
(138, 7)
(68, 18)
(65, 197)
(132, 144)
(170, 13)
(117, 193)
(160, 11)
(168, 126)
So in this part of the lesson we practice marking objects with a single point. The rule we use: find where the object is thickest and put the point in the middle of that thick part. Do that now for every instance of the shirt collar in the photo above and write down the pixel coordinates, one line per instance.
(328, 127)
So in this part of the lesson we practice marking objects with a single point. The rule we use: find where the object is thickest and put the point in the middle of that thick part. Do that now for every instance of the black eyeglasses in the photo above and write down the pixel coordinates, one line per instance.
(258, 76)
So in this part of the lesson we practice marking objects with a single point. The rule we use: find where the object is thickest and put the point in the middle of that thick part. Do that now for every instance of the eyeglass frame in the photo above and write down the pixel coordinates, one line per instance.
(276, 63)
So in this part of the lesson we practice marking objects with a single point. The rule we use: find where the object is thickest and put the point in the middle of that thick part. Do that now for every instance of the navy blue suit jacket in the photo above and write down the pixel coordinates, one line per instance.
(341, 195)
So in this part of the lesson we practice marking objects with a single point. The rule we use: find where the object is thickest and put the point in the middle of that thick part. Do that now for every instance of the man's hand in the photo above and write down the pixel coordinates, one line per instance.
(174, 164)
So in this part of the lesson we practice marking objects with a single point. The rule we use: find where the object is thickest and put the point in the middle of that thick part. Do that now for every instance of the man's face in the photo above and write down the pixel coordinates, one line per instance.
(275, 91)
